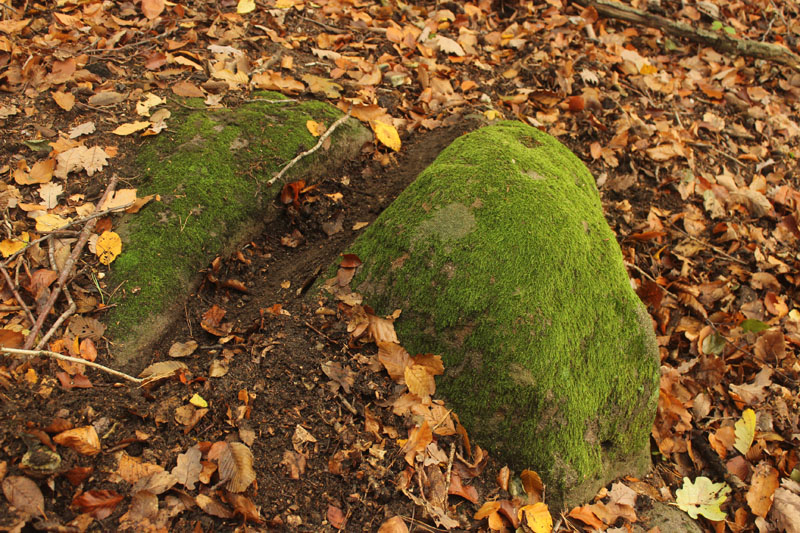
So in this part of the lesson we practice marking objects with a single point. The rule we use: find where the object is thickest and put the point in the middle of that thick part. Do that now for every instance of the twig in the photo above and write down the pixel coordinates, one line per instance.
(449, 468)
(70, 310)
(709, 246)
(268, 101)
(17, 295)
(75, 222)
(137, 44)
(54, 355)
(322, 138)
(62, 278)
(326, 26)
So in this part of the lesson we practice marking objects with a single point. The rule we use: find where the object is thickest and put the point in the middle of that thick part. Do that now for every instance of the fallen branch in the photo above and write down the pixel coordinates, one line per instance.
(67, 270)
(54, 355)
(16, 294)
(322, 138)
(719, 41)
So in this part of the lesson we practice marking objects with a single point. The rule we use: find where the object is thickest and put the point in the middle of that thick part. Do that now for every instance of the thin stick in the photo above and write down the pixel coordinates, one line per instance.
(322, 138)
(709, 246)
(17, 294)
(268, 101)
(66, 314)
(62, 278)
(73, 223)
(54, 355)
(449, 468)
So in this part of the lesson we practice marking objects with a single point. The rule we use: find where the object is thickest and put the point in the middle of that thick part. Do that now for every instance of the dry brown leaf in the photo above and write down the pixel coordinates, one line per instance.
(244, 506)
(236, 465)
(419, 381)
(162, 370)
(83, 440)
(785, 511)
(98, 503)
(212, 506)
(132, 469)
(24, 494)
(394, 525)
(182, 349)
(188, 469)
(418, 440)
(762, 489)
(381, 329)
(395, 360)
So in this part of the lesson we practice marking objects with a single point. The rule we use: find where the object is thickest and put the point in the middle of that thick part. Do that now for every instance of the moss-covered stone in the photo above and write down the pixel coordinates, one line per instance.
(211, 171)
(501, 260)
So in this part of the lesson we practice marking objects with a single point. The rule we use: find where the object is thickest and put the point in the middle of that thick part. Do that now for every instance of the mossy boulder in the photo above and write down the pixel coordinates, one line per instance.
(211, 170)
(501, 260)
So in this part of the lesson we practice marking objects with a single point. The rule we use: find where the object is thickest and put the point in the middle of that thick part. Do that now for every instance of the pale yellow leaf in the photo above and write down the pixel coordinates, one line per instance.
(120, 198)
(536, 517)
(49, 222)
(245, 6)
(386, 134)
(131, 127)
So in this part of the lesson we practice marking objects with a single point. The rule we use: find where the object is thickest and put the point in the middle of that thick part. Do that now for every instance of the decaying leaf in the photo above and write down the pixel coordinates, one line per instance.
(188, 469)
(24, 494)
(236, 466)
(161, 371)
(98, 503)
(83, 440)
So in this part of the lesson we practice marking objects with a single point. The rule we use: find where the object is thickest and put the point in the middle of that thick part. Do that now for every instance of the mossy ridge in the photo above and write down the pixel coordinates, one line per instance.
(211, 173)
(447, 292)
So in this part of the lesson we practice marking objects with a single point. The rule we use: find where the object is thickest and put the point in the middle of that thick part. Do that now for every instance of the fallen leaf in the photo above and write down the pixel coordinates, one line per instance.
(108, 247)
(182, 349)
(212, 507)
(386, 134)
(83, 440)
(131, 127)
(188, 469)
(98, 503)
(536, 517)
(236, 466)
(745, 429)
(394, 525)
(24, 494)
(702, 498)
(336, 517)
(762, 489)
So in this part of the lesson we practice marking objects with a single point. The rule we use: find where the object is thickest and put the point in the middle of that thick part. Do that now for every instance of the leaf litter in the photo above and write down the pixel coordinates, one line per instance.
(708, 230)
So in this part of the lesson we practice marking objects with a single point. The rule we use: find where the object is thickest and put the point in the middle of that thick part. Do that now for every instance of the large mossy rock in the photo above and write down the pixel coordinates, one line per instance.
(502, 262)
(211, 170)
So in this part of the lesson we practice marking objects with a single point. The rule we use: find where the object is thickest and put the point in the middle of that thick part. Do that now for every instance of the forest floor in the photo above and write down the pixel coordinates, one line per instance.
(695, 153)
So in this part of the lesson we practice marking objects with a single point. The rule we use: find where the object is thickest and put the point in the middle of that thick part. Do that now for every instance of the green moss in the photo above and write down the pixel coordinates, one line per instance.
(501, 260)
(211, 171)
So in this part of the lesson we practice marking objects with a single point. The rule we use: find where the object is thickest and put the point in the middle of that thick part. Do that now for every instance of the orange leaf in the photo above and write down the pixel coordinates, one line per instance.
(418, 440)
(419, 381)
(83, 440)
(587, 516)
(98, 503)
(762, 489)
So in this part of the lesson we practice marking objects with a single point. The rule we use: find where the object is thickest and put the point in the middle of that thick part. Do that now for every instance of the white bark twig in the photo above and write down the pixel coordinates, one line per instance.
(62, 278)
(322, 138)
(54, 355)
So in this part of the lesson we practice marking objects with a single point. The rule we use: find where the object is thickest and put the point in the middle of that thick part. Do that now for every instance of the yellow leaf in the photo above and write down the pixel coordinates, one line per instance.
(108, 247)
(537, 517)
(315, 128)
(198, 401)
(11, 246)
(419, 381)
(492, 114)
(745, 430)
(386, 134)
(48, 222)
(245, 6)
(131, 127)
